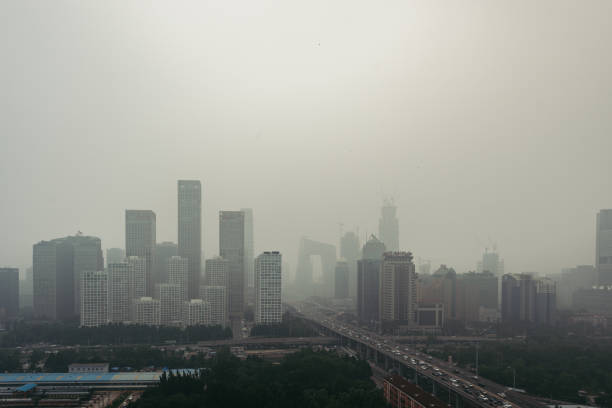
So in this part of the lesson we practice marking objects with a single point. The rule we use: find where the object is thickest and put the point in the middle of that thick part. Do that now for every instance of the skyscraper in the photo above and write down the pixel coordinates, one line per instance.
(170, 303)
(398, 298)
(163, 252)
(190, 230)
(140, 238)
(217, 272)
(115, 256)
(138, 276)
(341, 281)
(120, 292)
(268, 288)
(350, 251)
(147, 311)
(231, 248)
(196, 312)
(388, 226)
(249, 250)
(94, 298)
(368, 275)
(178, 274)
(57, 268)
(603, 247)
(216, 298)
(9, 293)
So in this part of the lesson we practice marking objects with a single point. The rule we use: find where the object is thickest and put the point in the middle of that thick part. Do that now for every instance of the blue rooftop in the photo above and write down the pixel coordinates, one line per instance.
(59, 378)
(26, 388)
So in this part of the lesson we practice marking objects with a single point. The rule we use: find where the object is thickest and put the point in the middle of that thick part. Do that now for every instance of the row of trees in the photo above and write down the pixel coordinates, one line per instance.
(547, 366)
(291, 326)
(23, 333)
(304, 379)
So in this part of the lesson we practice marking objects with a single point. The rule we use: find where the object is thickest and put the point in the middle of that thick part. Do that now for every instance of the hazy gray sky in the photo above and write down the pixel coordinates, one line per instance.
(482, 118)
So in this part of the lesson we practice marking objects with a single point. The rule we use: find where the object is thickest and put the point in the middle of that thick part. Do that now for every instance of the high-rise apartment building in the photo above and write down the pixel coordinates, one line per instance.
(138, 276)
(341, 281)
(231, 248)
(94, 308)
(170, 303)
(147, 311)
(217, 272)
(190, 230)
(57, 268)
(368, 276)
(26, 290)
(398, 296)
(140, 238)
(527, 299)
(196, 312)
(115, 256)
(163, 252)
(121, 294)
(216, 298)
(9, 293)
(249, 249)
(178, 274)
(388, 226)
(603, 247)
(268, 288)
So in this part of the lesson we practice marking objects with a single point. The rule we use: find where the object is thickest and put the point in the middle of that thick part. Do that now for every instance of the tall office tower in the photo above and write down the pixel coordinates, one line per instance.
(368, 274)
(138, 276)
(57, 267)
(216, 298)
(341, 281)
(217, 272)
(140, 237)
(231, 247)
(94, 298)
(190, 230)
(398, 297)
(87, 257)
(546, 302)
(163, 252)
(178, 274)
(121, 294)
(476, 297)
(519, 298)
(115, 256)
(9, 293)
(388, 226)
(249, 249)
(603, 247)
(350, 250)
(268, 288)
(196, 312)
(147, 311)
(171, 303)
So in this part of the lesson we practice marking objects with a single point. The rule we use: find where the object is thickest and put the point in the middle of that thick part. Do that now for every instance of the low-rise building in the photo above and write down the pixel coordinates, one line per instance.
(400, 393)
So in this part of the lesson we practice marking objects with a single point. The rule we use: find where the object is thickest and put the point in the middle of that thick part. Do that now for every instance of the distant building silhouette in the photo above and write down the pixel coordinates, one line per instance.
(304, 274)
(231, 248)
(398, 292)
(190, 231)
(115, 256)
(603, 245)
(388, 226)
(178, 274)
(368, 276)
(249, 249)
(341, 282)
(140, 240)
(163, 252)
(147, 311)
(350, 250)
(527, 299)
(9, 293)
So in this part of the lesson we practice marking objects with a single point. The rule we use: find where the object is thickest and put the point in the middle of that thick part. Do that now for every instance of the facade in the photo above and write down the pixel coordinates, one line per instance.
(190, 231)
(115, 256)
(440, 287)
(147, 311)
(268, 288)
(368, 277)
(26, 290)
(170, 303)
(217, 272)
(430, 315)
(163, 252)
(196, 312)
(57, 267)
(388, 226)
(94, 298)
(603, 247)
(400, 393)
(341, 283)
(473, 292)
(249, 248)
(596, 301)
(9, 293)
(140, 238)
(88, 368)
(526, 299)
(178, 274)
(231, 248)
(120, 293)
(216, 297)
(350, 249)
(138, 276)
(397, 298)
